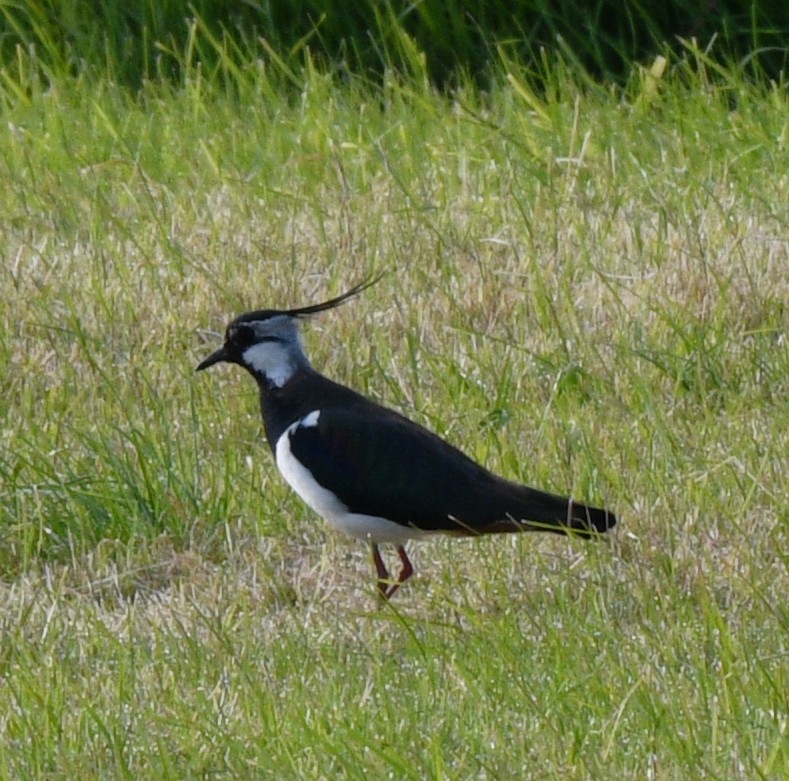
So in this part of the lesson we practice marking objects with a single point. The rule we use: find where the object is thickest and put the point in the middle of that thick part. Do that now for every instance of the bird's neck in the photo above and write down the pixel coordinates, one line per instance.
(305, 392)
(281, 405)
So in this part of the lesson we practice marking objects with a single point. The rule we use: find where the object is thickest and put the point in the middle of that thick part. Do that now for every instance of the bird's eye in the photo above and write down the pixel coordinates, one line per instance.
(240, 334)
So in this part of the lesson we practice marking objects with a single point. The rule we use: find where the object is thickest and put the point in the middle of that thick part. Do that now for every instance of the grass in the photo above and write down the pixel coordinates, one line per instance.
(587, 291)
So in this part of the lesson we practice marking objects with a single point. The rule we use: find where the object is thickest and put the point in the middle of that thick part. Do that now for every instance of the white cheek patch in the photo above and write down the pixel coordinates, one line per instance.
(270, 359)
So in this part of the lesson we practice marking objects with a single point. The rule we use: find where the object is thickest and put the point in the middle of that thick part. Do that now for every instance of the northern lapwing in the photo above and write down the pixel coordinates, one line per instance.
(369, 471)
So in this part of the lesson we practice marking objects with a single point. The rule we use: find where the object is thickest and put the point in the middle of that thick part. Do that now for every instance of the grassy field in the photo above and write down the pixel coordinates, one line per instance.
(587, 290)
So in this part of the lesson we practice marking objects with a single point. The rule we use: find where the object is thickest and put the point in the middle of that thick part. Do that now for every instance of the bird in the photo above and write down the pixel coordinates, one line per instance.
(368, 470)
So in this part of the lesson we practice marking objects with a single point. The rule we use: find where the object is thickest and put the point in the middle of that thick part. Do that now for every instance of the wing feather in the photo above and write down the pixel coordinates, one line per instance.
(385, 465)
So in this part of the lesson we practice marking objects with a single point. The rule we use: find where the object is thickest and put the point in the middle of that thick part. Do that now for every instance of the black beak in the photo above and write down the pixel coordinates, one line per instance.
(216, 357)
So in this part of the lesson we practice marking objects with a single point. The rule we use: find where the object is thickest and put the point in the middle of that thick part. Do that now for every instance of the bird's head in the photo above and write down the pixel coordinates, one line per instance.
(267, 342)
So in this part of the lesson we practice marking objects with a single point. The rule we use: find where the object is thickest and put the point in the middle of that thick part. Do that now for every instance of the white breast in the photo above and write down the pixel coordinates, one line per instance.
(326, 504)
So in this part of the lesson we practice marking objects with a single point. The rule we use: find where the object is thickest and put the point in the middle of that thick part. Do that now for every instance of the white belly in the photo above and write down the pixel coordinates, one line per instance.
(327, 505)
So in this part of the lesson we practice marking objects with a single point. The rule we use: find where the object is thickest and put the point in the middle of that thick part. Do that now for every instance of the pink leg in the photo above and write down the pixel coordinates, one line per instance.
(385, 586)
(380, 568)
(405, 573)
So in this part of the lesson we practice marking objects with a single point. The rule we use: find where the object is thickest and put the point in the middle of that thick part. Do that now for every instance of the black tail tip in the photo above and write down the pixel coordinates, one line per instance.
(592, 519)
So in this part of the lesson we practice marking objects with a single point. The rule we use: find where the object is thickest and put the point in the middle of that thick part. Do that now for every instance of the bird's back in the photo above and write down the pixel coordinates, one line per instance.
(379, 463)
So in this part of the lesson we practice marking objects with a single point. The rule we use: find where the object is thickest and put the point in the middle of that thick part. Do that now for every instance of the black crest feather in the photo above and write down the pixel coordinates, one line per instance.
(304, 311)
